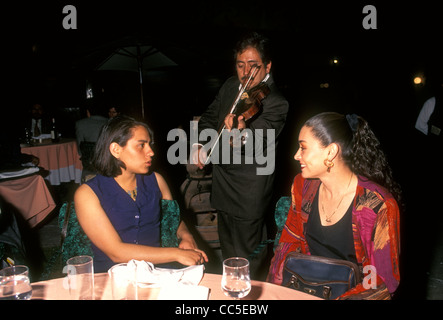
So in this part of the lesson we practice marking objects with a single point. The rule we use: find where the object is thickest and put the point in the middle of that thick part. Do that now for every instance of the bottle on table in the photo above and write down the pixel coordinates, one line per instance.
(54, 132)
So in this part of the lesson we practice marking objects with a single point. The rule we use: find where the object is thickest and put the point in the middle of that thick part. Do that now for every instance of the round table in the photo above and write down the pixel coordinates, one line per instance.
(57, 289)
(62, 160)
(30, 196)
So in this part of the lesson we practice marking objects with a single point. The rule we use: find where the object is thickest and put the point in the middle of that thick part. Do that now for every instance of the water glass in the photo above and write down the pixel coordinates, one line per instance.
(15, 284)
(123, 283)
(236, 281)
(80, 271)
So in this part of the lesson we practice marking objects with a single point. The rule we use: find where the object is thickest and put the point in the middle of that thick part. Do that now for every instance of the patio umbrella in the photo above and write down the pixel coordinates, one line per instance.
(138, 58)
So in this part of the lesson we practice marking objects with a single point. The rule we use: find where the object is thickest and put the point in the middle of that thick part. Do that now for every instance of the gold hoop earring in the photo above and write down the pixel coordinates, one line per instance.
(328, 163)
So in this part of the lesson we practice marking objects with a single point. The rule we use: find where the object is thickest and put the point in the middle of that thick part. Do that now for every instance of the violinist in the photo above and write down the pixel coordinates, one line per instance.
(241, 196)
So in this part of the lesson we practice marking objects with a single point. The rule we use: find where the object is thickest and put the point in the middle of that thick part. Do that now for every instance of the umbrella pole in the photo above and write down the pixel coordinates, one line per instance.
(140, 71)
(141, 94)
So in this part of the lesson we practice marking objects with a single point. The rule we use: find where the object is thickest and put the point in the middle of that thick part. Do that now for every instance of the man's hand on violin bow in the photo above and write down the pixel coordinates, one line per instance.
(198, 156)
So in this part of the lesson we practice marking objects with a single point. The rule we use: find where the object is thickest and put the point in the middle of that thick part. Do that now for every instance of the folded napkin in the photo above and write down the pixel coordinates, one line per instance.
(148, 275)
(43, 136)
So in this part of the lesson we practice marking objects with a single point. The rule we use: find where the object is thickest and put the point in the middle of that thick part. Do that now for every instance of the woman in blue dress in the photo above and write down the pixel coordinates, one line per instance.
(119, 209)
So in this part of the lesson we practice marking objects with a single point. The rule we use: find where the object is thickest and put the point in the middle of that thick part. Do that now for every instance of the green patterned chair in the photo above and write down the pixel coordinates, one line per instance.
(74, 241)
(281, 213)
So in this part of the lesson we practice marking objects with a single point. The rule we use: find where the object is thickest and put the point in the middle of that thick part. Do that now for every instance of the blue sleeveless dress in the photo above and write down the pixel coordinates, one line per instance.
(135, 221)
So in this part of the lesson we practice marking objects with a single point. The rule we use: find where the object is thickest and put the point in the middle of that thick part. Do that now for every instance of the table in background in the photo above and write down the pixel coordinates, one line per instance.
(56, 289)
(62, 160)
(30, 196)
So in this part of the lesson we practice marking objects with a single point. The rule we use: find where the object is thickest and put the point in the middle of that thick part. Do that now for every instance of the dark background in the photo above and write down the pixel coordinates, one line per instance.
(43, 62)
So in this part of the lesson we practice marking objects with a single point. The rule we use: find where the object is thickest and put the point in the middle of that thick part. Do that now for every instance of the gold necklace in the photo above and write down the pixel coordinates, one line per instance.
(328, 219)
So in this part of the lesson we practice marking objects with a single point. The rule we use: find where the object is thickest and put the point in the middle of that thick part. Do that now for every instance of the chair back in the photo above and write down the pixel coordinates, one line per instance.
(170, 221)
(74, 242)
(280, 215)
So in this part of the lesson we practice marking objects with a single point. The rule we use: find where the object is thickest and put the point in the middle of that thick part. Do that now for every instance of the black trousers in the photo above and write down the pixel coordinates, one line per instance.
(240, 237)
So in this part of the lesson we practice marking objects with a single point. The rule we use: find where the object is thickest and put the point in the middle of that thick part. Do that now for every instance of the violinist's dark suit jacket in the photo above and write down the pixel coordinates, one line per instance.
(236, 188)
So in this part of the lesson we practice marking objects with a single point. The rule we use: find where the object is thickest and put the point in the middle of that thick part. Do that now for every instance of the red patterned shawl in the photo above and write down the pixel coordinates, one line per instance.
(375, 226)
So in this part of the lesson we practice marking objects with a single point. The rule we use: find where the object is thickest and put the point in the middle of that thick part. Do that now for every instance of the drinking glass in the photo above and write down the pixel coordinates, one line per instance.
(236, 282)
(123, 284)
(81, 277)
(15, 284)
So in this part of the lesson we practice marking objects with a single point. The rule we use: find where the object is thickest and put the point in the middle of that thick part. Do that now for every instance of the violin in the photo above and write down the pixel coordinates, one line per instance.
(250, 106)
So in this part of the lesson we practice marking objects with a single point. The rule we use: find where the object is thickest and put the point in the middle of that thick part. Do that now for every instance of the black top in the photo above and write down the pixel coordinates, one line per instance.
(335, 241)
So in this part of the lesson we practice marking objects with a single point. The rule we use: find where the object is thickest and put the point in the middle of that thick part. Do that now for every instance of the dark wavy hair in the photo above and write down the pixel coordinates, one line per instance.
(118, 129)
(257, 41)
(360, 149)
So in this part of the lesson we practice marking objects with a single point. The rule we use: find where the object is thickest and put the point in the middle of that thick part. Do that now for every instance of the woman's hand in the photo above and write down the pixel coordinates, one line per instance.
(187, 243)
(190, 257)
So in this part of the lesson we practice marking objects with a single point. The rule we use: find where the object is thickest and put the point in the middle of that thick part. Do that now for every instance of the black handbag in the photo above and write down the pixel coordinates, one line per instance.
(322, 277)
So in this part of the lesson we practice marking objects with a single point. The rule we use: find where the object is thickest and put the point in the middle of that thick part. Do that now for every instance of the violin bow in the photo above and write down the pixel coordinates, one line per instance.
(245, 86)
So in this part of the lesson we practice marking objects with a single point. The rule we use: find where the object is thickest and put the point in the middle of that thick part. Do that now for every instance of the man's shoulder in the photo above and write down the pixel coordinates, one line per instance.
(91, 120)
(99, 118)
